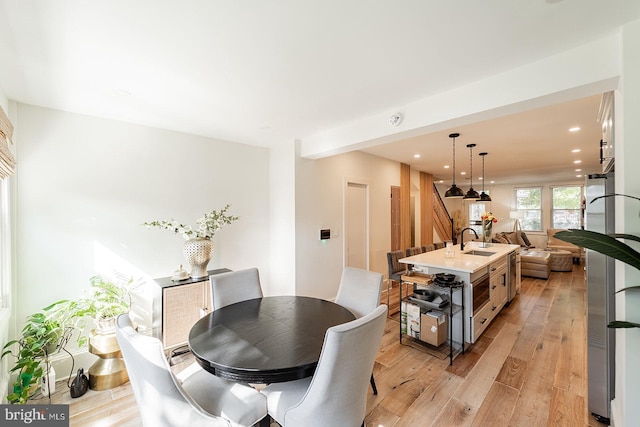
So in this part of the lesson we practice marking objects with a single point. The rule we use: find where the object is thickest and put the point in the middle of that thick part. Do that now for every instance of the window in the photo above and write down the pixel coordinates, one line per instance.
(566, 207)
(475, 216)
(529, 204)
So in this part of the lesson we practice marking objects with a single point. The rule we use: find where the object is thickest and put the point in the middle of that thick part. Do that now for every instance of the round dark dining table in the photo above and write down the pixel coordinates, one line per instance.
(265, 340)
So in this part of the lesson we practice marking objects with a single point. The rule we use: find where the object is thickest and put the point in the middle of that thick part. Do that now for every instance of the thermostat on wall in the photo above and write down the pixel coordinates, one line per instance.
(325, 234)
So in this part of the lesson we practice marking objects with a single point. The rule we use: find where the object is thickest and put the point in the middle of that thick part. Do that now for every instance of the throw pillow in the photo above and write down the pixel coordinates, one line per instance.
(515, 238)
(500, 238)
(526, 240)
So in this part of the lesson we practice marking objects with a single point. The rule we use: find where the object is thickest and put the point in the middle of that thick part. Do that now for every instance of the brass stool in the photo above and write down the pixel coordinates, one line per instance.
(109, 370)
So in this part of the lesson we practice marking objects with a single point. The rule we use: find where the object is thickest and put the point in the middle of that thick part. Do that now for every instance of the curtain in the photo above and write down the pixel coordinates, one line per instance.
(7, 162)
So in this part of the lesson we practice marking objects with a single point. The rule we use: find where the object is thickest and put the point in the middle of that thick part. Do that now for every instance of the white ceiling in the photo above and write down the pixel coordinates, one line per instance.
(264, 72)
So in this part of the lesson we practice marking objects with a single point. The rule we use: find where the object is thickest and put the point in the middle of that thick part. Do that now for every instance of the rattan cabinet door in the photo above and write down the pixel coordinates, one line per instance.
(182, 307)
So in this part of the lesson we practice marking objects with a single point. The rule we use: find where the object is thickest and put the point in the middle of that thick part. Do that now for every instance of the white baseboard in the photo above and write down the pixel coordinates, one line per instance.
(63, 363)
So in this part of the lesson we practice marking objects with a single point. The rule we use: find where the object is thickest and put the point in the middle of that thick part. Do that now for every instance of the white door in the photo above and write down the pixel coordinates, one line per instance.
(356, 226)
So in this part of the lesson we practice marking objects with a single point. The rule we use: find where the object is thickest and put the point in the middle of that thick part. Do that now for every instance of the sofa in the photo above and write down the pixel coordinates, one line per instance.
(557, 244)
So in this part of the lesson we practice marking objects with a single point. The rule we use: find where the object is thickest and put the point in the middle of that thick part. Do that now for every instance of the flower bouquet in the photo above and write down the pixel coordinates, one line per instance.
(487, 224)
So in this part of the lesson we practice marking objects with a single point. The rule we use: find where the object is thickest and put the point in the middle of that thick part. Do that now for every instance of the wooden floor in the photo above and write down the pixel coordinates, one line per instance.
(527, 369)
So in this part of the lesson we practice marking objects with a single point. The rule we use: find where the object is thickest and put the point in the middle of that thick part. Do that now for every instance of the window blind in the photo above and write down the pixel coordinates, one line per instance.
(7, 162)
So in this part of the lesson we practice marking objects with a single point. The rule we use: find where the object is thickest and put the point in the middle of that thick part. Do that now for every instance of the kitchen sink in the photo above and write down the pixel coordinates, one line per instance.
(480, 253)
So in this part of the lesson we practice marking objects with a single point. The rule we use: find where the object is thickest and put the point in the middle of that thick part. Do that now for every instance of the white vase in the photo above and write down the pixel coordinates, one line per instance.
(48, 380)
(198, 253)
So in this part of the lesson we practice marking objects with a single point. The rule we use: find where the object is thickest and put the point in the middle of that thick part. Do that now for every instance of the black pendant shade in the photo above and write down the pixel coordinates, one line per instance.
(484, 197)
(471, 194)
(454, 191)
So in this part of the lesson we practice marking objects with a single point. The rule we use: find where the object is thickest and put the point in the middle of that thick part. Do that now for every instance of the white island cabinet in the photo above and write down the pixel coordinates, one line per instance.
(485, 276)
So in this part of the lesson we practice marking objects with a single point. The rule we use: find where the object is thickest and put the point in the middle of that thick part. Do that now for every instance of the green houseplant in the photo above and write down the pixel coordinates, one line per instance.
(609, 245)
(105, 300)
(40, 337)
(48, 330)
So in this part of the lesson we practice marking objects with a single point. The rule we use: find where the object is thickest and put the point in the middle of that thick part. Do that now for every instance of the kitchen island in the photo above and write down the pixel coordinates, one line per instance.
(485, 276)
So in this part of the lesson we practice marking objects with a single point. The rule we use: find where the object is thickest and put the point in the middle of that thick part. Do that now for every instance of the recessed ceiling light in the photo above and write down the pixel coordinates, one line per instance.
(578, 170)
(578, 176)
(446, 166)
(416, 156)
(575, 150)
(492, 182)
(481, 178)
(577, 161)
(463, 173)
(574, 129)
(441, 181)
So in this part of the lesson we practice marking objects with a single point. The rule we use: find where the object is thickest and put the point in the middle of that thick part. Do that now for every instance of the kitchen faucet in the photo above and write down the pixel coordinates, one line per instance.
(462, 236)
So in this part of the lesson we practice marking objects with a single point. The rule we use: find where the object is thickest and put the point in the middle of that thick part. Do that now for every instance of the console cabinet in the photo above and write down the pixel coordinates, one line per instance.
(177, 306)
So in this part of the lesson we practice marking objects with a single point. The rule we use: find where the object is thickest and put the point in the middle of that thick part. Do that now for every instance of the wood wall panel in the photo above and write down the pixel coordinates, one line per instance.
(426, 208)
(405, 205)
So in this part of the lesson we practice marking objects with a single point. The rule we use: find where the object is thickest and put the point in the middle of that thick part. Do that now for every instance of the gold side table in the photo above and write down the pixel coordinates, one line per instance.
(109, 370)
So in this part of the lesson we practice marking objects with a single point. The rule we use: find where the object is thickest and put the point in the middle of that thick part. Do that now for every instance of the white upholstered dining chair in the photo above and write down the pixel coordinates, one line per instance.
(336, 395)
(194, 398)
(359, 292)
(234, 286)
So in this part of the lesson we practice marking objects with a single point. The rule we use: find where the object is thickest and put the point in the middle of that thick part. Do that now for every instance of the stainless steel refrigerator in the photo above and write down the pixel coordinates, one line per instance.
(600, 271)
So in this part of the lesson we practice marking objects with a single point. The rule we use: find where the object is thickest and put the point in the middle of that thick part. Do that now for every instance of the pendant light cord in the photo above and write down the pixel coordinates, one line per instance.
(454, 162)
(453, 178)
(483, 174)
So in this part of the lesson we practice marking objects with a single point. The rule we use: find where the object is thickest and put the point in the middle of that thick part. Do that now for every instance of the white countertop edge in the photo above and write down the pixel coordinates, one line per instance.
(460, 261)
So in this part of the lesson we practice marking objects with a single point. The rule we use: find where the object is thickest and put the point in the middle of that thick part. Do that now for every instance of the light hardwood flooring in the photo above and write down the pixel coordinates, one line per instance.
(527, 369)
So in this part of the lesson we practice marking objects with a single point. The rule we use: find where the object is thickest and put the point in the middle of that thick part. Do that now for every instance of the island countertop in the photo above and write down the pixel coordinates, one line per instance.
(461, 261)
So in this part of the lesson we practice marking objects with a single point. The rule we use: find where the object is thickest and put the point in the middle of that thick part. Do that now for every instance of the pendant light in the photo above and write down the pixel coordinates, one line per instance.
(471, 194)
(454, 192)
(484, 197)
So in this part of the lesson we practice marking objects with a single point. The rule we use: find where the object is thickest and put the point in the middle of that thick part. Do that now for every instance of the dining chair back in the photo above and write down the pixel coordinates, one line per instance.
(234, 286)
(200, 399)
(428, 248)
(336, 395)
(396, 268)
(414, 250)
(359, 290)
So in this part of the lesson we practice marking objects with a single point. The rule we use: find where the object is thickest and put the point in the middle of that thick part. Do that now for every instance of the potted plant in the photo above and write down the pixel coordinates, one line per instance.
(105, 300)
(40, 337)
(609, 245)
(48, 330)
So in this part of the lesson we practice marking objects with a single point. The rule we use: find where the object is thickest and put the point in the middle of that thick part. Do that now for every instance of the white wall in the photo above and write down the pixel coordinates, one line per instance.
(320, 188)
(625, 409)
(86, 185)
(282, 228)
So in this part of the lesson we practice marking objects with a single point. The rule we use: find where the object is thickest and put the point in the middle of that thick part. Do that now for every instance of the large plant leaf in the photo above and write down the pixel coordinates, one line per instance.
(602, 243)
(615, 194)
(626, 236)
(623, 324)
